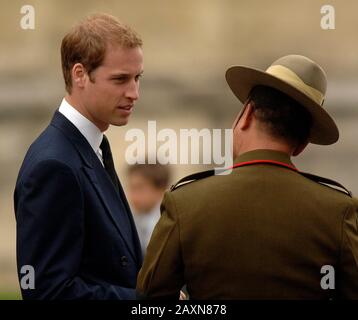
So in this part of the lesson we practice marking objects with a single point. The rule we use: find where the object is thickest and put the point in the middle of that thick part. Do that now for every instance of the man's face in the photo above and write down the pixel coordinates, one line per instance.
(109, 98)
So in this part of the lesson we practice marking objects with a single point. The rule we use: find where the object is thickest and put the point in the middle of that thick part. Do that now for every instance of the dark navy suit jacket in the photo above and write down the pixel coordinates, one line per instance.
(73, 227)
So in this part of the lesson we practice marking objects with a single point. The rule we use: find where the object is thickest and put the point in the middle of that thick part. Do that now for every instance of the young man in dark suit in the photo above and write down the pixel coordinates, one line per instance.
(74, 225)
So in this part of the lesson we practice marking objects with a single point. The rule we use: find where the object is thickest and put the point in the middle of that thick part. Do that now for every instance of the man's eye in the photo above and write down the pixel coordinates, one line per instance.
(138, 77)
(120, 79)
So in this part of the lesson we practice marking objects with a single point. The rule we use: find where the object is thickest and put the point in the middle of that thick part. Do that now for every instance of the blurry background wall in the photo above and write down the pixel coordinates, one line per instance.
(188, 45)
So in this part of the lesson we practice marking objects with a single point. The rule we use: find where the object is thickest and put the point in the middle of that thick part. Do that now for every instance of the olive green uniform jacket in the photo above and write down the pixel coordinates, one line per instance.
(262, 232)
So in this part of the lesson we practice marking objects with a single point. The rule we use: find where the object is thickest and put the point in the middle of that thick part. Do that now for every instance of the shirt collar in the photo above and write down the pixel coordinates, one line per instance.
(264, 154)
(88, 129)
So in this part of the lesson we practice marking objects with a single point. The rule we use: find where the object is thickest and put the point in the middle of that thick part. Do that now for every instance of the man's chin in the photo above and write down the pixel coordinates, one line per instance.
(120, 122)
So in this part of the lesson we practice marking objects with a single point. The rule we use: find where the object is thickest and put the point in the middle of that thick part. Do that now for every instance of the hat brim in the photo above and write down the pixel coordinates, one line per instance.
(242, 79)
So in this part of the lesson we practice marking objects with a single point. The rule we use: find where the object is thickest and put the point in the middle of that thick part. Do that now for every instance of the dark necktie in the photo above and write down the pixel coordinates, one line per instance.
(108, 161)
(109, 166)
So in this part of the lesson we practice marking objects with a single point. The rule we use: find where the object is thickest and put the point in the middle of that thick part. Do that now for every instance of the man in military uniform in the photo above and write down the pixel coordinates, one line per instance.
(267, 230)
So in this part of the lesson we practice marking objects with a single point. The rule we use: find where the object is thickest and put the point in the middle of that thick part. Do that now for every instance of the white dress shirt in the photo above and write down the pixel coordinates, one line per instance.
(89, 130)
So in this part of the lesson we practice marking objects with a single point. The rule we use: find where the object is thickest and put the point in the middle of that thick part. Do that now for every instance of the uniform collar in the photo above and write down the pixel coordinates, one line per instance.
(264, 154)
(88, 129)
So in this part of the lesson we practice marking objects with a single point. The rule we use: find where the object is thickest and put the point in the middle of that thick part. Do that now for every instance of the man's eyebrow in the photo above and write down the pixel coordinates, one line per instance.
(124, 74)
(119, 75)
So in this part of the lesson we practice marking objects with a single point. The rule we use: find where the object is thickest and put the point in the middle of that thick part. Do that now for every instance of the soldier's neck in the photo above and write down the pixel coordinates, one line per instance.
(261, 141)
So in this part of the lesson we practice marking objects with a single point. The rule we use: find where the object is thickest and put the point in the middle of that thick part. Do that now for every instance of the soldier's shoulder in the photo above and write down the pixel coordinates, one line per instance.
(333, 185)
(198, 177)
(202, 177)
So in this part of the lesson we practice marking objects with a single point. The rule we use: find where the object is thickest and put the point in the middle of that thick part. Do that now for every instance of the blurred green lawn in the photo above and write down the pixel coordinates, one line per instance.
(10, 296)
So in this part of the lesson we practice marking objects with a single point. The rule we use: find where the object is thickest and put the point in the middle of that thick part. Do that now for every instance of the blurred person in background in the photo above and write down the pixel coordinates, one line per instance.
(74, 225)
(147, 184)
(266, 230)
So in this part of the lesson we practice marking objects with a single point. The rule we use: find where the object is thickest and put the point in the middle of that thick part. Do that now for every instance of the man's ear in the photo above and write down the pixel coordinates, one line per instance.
(247, 116)
(79, 75)
(300, 148)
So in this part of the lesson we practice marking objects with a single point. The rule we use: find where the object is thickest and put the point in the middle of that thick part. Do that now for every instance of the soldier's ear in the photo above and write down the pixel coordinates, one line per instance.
(300, 148)
(246, 117)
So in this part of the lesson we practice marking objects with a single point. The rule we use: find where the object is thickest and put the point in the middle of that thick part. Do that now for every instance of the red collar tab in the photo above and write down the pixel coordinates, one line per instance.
(273, 162)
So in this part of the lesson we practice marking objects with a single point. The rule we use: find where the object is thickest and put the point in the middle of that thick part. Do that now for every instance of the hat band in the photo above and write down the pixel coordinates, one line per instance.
(293, 79)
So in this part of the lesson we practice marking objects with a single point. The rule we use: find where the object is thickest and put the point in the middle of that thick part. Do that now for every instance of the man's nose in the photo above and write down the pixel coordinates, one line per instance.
(132, 91)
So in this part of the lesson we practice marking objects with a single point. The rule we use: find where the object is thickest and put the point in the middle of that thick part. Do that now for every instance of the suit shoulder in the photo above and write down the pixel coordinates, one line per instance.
(52, 140)
(52, 144)
(50, 149)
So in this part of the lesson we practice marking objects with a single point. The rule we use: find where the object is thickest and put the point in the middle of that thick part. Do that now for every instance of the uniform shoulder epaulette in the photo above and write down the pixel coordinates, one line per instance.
(192, 177)
(204, 174)
(328, 182)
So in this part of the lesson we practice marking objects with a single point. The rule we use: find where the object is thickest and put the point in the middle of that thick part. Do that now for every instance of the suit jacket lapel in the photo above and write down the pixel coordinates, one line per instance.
(113, 203)
(131, 221)
(116, 204)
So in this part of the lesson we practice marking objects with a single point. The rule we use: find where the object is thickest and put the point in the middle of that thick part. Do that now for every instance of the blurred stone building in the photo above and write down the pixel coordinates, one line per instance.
(188, 45)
